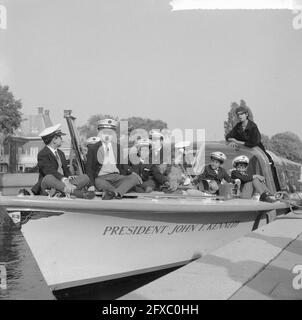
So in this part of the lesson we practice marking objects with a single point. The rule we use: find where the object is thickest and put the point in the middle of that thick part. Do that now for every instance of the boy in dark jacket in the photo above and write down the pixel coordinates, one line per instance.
(213, 174)
(151, 176)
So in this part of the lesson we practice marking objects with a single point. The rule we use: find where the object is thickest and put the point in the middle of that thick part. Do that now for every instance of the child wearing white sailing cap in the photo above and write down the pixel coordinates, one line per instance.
(250, 183)
(213, 174)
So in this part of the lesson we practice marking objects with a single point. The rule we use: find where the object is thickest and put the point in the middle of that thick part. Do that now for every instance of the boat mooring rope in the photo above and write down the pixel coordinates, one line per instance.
(284, 196)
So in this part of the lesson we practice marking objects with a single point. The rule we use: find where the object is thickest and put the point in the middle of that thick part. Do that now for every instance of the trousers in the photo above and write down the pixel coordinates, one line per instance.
(49, 182)
(116, 183)
(147, 186)
(253, 186)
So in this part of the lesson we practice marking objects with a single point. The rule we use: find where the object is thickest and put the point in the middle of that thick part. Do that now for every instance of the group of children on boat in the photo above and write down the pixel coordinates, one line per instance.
(107, 173)
(247, 183)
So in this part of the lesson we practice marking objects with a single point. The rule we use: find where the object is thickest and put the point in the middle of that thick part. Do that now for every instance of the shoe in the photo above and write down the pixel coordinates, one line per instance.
(267, 197)
(108, 195)
(23, 192)
(82, 194)
(118, 196)
(54, 193)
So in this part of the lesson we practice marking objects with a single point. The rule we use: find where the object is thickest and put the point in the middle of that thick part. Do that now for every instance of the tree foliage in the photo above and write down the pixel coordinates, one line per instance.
(89, 129)
(146, 124)
(266, 142)
(232, 118)
(287, 145)
(10, 115)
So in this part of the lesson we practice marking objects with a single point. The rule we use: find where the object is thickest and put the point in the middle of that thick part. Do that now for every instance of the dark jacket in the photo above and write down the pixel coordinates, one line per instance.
(94, 165)
(243, 177)
(250, 136)
(48, 164)
(146, 171)
(210, 174)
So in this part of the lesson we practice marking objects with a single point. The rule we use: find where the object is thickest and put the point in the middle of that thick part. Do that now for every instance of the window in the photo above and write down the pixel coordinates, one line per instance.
(34, 151)
(3, 168)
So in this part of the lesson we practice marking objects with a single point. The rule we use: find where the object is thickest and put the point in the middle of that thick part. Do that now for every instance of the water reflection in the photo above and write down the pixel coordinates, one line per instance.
(24, 279)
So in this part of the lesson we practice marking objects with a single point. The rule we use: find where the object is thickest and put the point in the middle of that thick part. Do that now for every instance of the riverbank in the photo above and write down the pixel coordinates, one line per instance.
(264, 264)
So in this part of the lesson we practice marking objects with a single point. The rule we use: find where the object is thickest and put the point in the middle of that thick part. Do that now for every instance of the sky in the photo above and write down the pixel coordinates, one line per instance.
(140, 58)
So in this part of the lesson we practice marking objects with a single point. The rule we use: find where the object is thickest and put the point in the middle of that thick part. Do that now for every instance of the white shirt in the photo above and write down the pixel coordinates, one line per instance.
(54, 151)
(109, 162)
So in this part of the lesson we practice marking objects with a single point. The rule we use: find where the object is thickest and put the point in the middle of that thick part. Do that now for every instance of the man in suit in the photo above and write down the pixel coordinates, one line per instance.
(106, 166)
(53, 169)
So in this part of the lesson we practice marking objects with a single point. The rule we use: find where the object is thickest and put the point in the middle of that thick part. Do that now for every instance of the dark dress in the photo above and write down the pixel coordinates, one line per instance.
(250, 135)
(252, 138)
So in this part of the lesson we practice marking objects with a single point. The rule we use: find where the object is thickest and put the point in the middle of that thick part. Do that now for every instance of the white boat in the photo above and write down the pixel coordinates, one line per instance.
(77, 242)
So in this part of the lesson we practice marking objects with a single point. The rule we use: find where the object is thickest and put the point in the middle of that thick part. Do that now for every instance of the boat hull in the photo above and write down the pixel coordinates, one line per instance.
(75, 247)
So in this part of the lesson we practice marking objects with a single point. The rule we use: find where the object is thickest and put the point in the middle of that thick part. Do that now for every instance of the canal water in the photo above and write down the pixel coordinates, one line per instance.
(20, 276)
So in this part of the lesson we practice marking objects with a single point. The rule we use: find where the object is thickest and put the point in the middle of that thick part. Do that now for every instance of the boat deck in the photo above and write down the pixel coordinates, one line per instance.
(259, 265)
(143, 204)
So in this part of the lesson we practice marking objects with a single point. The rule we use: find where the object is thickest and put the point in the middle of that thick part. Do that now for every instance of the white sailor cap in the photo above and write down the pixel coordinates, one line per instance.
(143, 142)
(182, 144)
(52, 131)
(93, 140)
(107, 123)
(155, 134)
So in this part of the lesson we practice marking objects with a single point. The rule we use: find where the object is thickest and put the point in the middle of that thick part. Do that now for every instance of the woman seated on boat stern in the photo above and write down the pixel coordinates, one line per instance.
(250, 183)
(245, 133)
(141, 163)
(54, 174)
(213, 174)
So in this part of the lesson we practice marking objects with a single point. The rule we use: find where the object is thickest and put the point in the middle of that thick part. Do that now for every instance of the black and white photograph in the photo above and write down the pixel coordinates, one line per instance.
(150, 150)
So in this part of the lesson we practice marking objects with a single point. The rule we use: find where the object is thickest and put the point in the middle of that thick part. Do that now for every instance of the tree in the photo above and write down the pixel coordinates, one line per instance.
(10, 115)
(146, 124)
(287, 145)
(232, 117)
(266, 142)
(90, 128)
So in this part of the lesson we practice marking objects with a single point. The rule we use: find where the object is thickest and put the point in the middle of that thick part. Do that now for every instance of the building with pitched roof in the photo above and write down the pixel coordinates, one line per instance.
(19, 152)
